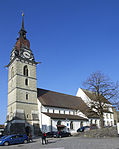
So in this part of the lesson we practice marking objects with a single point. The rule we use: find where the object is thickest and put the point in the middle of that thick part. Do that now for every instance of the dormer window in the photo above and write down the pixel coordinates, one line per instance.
(25, 71)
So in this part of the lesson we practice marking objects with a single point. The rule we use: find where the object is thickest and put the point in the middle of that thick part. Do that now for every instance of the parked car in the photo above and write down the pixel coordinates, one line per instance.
(86, 128)
(80, 129)
(51, 134)
(1, 136)
(83, 128)
(61, 134)
(13, 139)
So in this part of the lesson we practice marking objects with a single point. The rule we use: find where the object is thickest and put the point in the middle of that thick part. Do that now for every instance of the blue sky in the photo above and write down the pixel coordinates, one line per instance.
(72, 38)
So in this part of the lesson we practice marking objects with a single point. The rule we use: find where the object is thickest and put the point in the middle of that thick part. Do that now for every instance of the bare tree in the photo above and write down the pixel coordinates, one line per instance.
(103, 90)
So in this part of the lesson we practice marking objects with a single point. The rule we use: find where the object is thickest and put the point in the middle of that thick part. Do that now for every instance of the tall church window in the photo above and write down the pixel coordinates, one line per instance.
(25, 71)
(26, 81)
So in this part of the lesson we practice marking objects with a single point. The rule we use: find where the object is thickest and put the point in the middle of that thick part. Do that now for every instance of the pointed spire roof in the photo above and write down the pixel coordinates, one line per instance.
(22, 31)
(22, 20)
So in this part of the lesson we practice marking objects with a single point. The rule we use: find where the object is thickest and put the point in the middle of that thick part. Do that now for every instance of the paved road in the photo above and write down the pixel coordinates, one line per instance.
(69, 143)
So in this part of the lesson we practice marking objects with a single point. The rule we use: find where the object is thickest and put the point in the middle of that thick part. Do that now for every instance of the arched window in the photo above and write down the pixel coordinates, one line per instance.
(26, 81)
(26, 96)
(71, 125)
(27, 116)
(25, 71)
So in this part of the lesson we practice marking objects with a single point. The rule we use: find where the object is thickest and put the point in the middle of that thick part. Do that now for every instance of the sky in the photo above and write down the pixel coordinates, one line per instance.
(72, 39)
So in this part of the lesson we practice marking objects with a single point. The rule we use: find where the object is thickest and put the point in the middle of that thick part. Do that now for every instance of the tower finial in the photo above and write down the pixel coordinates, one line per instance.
(22, 20)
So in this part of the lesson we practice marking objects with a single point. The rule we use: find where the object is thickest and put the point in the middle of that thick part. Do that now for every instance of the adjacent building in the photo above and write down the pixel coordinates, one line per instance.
(108, 115)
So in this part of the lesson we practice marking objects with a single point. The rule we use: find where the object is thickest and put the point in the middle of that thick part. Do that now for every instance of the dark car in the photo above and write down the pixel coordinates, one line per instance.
(80, 129)
(51, 134)
(83, 128)
(1, 136)
(61, 134)
(13, 139)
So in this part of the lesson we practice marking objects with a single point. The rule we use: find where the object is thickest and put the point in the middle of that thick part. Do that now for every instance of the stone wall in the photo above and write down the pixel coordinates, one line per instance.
(100, 133)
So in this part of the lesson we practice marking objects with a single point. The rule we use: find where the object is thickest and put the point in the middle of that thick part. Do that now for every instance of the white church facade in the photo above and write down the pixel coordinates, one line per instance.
(31, 109)
(108, 115)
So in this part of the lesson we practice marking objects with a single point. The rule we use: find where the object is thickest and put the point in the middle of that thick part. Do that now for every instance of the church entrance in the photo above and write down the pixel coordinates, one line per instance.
(28, 130)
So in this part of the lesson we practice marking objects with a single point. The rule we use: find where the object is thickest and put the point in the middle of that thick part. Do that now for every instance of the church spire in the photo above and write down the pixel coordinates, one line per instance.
(22, 32)
(22, 20)
(22, 41)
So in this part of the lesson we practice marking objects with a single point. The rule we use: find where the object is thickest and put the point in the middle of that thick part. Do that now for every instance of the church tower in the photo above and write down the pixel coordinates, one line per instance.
(22, 110)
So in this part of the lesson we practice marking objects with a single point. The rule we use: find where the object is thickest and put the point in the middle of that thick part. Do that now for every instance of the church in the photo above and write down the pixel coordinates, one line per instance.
(31, 109)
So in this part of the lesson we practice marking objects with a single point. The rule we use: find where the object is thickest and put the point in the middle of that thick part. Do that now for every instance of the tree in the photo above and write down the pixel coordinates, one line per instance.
(103, 90)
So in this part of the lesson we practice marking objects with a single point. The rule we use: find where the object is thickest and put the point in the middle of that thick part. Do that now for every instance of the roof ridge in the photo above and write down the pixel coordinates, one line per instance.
(59, 92)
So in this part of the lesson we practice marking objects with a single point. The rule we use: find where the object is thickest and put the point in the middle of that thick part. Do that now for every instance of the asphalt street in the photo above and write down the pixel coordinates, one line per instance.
(69, 143)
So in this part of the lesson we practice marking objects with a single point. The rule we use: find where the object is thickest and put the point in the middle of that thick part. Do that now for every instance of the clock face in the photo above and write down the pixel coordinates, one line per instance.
(26, 54)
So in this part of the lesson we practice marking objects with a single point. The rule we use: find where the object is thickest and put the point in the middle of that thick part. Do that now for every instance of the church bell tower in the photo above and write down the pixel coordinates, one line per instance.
(22, 109)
